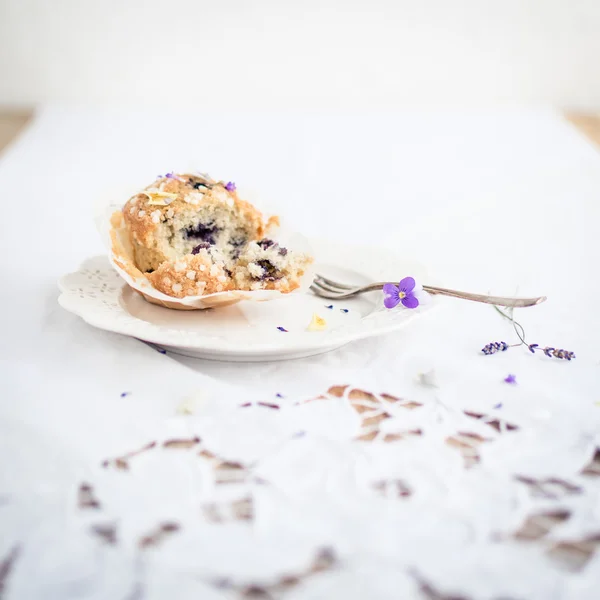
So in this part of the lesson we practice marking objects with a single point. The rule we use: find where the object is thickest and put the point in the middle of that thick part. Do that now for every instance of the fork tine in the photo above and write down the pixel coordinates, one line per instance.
(333, 284)
(323, 292)
(330, 288)
(324, 288)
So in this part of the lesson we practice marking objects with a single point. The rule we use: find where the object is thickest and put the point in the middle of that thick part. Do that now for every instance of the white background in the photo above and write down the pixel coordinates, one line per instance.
(504, 202)
(273, 54)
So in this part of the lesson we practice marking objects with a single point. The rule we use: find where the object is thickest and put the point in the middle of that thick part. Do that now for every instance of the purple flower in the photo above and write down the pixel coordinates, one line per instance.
(404, 293)
(510, 379)
(230, 187)
(171, 175)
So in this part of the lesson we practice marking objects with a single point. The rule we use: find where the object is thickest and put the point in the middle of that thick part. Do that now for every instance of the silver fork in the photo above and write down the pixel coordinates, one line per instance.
(333, 290)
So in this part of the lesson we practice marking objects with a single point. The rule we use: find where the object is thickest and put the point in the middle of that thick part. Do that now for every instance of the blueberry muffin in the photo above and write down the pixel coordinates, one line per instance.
(192, 236)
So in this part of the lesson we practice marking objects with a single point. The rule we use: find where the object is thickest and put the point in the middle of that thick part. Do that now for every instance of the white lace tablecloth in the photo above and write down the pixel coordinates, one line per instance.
(134, 475)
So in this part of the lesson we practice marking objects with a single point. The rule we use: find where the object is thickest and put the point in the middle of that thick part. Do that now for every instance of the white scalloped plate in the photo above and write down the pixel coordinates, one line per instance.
(247, 331)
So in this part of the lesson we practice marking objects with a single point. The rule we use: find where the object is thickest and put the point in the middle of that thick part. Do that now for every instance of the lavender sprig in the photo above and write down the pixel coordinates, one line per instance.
(549, 351)
(494, 347)
(556, 352)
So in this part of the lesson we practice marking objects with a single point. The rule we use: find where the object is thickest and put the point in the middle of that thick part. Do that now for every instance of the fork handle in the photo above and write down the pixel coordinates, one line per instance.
(497, 300)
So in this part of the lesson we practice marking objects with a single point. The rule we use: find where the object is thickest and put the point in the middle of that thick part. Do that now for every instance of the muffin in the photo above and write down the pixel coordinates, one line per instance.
(192, 236)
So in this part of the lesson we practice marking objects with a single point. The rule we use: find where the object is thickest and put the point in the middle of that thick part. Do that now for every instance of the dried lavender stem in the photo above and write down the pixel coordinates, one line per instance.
(515, 325)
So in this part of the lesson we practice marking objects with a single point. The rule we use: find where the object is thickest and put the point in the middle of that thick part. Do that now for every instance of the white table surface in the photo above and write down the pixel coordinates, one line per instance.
(500, 202)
